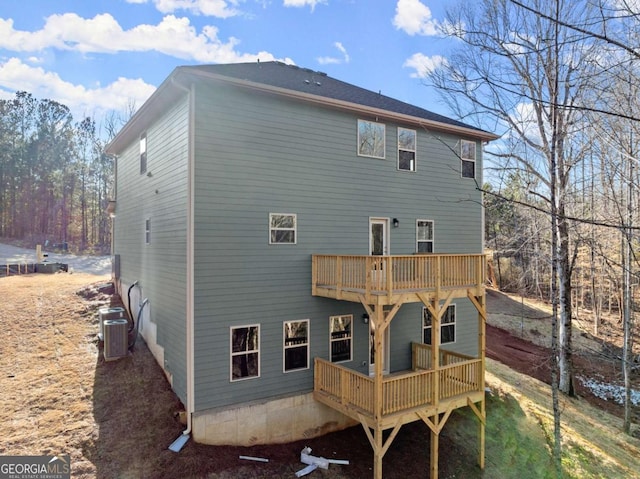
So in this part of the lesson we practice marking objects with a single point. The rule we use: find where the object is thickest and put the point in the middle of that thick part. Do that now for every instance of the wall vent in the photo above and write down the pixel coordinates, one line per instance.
(108, 313)
(116, 341)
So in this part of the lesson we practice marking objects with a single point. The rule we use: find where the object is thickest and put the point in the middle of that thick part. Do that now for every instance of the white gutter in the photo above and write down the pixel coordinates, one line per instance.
(190, 403)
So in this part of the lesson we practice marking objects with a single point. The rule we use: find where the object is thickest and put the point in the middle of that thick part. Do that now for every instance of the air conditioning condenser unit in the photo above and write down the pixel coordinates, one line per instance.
(108, 313)
(116, 340)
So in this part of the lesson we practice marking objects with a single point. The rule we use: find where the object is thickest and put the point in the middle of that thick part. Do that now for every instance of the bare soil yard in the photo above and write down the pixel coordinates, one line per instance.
(116, 419)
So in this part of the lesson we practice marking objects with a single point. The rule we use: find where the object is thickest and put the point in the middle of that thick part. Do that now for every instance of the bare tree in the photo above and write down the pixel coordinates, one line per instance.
(526, 75)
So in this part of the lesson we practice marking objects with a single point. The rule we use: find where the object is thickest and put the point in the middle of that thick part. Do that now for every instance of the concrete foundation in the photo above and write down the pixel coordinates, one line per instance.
(271, 422)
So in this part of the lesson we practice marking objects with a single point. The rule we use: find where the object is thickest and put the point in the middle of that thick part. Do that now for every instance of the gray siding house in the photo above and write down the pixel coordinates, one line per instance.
(311, 252)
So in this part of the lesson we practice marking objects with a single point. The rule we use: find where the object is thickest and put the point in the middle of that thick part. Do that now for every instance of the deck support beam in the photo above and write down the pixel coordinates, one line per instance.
(435, 442)
(482, 422)
(480, 302)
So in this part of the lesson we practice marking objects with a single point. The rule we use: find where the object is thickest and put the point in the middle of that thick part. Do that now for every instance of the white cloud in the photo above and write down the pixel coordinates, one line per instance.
(211, 8)
(119, 95)
(173, 36)
(302, 3)
(413, 17)
(422, 64)
(334, 60)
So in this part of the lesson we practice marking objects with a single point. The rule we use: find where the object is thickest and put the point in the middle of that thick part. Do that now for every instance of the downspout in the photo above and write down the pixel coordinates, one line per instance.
(190, 403)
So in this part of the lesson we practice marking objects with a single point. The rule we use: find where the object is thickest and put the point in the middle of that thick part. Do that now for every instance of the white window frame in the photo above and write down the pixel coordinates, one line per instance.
(451, 307)
(273, 229)
(401, 148)
(467, 159)
(147, 231)
(143, 153)
(418, 240)
(297, 345)
(247, 352)
(372, 154)
(349, 337)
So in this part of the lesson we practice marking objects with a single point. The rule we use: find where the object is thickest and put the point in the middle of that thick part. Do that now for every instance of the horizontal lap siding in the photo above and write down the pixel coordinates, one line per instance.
(160, 267)
(256, 154)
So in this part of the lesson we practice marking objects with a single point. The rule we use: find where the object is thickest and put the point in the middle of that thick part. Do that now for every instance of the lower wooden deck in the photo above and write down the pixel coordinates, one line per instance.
(406, 396)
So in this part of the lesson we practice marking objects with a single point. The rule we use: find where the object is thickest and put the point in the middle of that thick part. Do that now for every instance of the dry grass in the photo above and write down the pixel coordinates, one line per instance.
(530, 319)
(47, 366)
(585, 428)
(116, 419)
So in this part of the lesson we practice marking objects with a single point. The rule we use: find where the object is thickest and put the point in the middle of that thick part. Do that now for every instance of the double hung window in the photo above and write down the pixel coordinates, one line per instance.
(245, 352)
(468, 158)
(447, 325)
(406, 149)
(296, 345)
(282, 228)
(341, 337)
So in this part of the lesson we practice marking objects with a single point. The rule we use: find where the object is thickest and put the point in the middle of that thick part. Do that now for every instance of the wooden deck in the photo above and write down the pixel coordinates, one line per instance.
(406, 396)
(440, 381)
(393, 279)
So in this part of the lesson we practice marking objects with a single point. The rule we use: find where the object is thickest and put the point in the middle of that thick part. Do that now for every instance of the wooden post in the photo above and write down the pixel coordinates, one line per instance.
(39, 253)
(378, 358)
(377, 453)
(481, 434)
(435, 350)
(435, 437)
(339, 278)
(482, 312)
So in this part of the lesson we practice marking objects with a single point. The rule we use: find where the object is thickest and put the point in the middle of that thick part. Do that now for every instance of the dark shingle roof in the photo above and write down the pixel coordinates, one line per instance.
(304, 80)
(287, 78)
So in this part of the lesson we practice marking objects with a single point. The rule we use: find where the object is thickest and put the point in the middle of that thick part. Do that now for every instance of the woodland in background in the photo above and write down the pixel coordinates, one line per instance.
(55, 179)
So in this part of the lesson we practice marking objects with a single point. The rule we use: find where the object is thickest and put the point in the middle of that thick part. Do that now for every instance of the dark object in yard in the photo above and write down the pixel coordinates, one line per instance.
(49, 268)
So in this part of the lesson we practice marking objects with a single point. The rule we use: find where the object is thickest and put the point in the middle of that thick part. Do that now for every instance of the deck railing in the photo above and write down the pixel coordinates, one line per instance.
(421, 354)
(396, 273)
(402, 391)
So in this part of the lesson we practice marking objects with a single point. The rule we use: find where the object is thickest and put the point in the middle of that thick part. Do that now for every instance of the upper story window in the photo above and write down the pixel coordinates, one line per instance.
(424, 236)
(296, 345)
(245, 352)
(371, 139)
(406, 149)
(340, 335)
(282, 228)
(468, 158)
(447, 325)
(143, 153)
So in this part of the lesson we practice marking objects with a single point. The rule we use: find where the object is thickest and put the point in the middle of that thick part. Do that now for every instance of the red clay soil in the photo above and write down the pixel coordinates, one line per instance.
(535, 361)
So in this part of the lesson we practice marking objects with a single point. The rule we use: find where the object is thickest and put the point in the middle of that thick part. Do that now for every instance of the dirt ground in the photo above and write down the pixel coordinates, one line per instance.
(518, 335)
(120, 430)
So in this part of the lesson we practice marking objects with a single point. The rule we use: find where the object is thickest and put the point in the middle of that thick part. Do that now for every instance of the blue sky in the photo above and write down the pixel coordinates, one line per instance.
(101, 55)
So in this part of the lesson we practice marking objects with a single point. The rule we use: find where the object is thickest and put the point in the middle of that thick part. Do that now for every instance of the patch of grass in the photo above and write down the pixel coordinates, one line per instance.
(515, 444)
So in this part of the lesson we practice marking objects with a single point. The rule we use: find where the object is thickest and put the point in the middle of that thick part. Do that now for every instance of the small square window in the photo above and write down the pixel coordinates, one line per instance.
(143, 153)
(447, 325)
(371, 139)
(468, 158)
(340, 339)
(424, 236)
(406, 149)
(296, 345)
(245, 352)
(282, 228)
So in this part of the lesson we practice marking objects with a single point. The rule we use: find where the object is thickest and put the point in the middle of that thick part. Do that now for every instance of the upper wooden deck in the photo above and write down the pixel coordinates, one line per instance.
(394, 279)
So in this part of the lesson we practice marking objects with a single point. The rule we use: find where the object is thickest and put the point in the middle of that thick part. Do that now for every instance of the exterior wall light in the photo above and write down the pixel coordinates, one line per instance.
(365, 318)
(396, 222)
